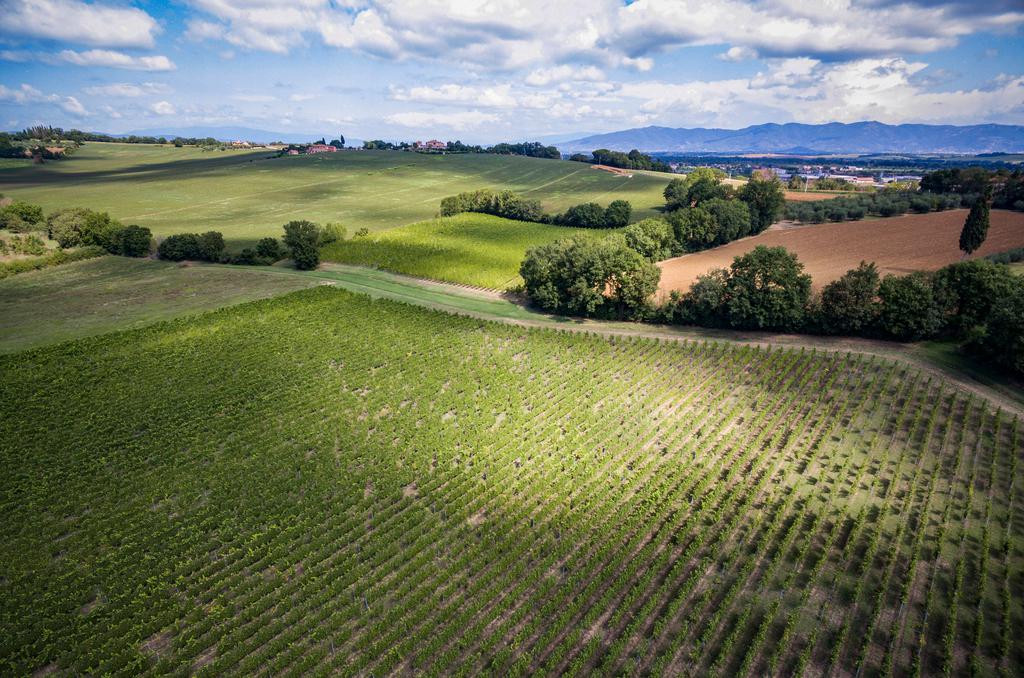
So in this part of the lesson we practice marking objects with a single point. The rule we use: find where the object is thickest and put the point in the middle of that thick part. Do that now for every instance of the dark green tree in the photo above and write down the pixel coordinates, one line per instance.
(694, 229)
(849, 305)
(909, 310)
(976, 227)
(732, 219)
(617, 214)
(767, 290)
(765, 198)
(132, 241)
(270, 249)
(302, 238)
(651, 238)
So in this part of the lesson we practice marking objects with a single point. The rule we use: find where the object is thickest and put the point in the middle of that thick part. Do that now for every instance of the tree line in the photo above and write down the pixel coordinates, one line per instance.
(510, 205)
(530, 149)
(632, 160)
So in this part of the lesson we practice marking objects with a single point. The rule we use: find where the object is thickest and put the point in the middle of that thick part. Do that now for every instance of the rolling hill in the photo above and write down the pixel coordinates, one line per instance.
(858, 137)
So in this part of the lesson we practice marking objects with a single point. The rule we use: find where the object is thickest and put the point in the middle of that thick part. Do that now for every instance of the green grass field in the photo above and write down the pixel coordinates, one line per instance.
(323, 483)
(115, 293)
(471, 249)
(246, 196)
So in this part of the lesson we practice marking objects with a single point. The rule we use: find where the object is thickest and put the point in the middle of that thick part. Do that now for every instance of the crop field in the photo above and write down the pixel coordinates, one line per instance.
(247, 196)
(918, 242)
(471, 249)
(323, 483)
(116, 293)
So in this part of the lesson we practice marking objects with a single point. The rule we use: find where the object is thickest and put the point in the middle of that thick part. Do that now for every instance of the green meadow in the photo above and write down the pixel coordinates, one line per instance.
(249, 194)
(471, 249)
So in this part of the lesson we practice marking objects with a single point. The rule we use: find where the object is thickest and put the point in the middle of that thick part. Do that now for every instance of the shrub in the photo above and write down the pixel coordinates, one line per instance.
(269, 248)
(66, 225)
(10, 268)
(587, 215)
(179, 247)
(301, 238)
(211, 246)
(132, 241)
(21, 215)
(331, 232)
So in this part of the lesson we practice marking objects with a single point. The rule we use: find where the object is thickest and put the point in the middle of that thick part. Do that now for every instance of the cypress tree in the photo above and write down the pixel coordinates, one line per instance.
(976, 227)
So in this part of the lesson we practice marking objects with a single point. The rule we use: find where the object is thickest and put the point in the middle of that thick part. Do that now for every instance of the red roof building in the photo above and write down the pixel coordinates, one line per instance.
(320, 148)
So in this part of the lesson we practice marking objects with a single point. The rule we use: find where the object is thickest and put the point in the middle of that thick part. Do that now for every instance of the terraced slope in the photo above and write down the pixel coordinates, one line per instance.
(323, 483)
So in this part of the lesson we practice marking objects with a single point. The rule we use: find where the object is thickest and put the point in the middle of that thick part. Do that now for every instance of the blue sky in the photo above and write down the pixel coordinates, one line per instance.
(489, 70)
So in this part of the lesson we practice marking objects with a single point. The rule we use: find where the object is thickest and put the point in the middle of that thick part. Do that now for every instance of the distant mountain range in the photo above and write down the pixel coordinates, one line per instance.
(795, 138)
(233, 133)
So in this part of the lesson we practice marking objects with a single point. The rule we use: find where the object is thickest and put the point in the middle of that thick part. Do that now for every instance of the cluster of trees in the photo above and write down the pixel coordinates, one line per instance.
(301, 242)
(601, 278)
(888, 202)
(77, 227)
(632, 160)
(978, 302)
(703, 212)
(512, 206)
(1005, 187)
(592, 215)
(501, 203)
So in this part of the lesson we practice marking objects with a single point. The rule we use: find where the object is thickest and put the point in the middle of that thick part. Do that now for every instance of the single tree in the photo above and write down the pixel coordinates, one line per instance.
(765, 198)
(302, 238)
(768, 290)
(976, 227)
(849, 305)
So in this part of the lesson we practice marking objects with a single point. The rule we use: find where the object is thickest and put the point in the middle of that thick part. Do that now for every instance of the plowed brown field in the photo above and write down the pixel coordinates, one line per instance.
(897, 245)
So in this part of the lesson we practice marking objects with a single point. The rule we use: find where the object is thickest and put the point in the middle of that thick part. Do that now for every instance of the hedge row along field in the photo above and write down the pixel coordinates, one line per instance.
(323, 484)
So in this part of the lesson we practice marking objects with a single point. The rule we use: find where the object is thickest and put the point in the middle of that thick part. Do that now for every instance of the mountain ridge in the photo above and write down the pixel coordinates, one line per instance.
(859, 137)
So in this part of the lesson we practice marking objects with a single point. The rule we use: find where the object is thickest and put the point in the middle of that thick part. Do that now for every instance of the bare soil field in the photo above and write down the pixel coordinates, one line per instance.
(897, 245)
(814, 196)
(615, 170)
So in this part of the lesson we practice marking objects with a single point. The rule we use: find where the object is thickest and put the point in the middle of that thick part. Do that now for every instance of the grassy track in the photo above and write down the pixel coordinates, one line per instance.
(114, 293)
(328, 483)
(246, 196)
(471, 249)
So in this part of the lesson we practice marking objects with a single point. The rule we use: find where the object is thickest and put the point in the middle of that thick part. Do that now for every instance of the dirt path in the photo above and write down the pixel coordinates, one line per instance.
(499, 307)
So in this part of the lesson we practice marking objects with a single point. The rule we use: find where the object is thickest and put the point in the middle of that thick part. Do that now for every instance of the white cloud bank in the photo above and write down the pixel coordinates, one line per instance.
(103, 25)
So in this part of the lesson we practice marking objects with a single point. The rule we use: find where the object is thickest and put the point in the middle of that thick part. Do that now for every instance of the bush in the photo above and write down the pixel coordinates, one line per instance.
(206, 247)
(602, 278)
(269, 248)
(66, 225)
(909, 308)
(179, 247)
(587, 215)
(302, 238)
(331, 232)
(10, 268)
(21, 216)
(132, 241)
(23, 244)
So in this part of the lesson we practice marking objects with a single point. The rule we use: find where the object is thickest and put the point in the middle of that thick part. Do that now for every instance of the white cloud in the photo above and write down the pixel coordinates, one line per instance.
(810, 91)
(541, 35)
(254, 98)
(162, 108)
(27, 94)
(73, 21)
(545, 76)
(111, 59)
(458, 121)
(127, 89)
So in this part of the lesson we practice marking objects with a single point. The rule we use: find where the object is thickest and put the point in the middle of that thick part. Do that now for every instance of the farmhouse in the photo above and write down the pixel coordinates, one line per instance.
(432, 145)
(320, 148)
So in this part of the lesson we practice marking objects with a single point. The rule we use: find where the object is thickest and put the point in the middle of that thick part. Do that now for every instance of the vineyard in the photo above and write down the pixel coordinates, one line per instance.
(471, 249)
(322, 484)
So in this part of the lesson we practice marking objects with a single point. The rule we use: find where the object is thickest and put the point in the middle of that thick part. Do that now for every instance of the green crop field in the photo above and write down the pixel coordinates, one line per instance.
(246, 196)
(472, 249)
(114, 293)
(324, 483)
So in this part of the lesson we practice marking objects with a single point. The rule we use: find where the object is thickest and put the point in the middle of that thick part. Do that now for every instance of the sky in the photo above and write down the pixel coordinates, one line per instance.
(505, 70)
